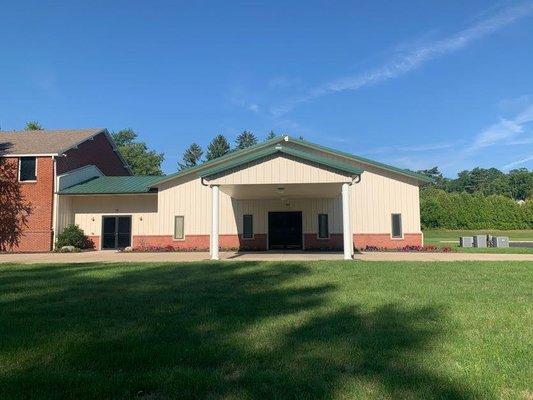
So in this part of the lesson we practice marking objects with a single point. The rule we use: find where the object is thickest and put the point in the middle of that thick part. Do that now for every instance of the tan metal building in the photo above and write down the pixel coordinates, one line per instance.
(284, 193)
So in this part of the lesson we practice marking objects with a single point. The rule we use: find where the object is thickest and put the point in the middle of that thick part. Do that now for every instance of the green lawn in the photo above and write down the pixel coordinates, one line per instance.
(442, 238)
(246, 330)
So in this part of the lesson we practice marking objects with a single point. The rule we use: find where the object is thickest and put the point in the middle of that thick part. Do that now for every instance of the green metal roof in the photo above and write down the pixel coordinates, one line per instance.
(113, 185)
(350, 169)
(364, 160)
(143, 184)
(268, 144)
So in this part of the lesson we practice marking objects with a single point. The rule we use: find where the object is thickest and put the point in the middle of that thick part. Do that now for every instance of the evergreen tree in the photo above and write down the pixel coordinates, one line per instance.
(218, 147)
(271, 135)
(244, 140)
(191, 157)
(33, 126)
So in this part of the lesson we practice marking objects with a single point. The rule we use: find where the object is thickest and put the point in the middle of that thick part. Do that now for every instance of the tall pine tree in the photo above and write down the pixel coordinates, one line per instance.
(271, 135)
(191, 157)
(244, 140)
(218, 147)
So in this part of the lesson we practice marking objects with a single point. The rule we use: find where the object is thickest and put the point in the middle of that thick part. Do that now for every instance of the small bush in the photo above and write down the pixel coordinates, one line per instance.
(73, 235)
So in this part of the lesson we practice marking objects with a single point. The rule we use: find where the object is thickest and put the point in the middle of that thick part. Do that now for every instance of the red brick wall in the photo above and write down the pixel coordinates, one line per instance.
(37, 236)
(312, 242)
(259, 242)
(97, 151)
(201, 242)
(361, 240)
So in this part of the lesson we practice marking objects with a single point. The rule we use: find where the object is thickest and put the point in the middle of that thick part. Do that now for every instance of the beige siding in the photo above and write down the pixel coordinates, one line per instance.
(88, 212)
(379, 194)
(279, 169)
(376, 197)
(231, 220)
(65, 214)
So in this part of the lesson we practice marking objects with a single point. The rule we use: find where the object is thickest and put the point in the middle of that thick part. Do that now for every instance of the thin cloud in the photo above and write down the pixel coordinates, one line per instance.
(411, 60)
(506, 131)
(413, 148)
(517, 163)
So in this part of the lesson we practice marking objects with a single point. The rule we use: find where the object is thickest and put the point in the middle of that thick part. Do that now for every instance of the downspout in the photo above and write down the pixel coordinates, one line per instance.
(355, 179)
(55, 205)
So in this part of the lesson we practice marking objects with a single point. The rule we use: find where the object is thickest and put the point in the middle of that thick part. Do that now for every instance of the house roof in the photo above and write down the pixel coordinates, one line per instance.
(43, 142)
(340, 166)
(248, 152)
(113, 185)
(145, 184)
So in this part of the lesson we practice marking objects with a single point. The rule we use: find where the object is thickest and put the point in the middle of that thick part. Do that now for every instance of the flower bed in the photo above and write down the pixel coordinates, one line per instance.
(414, 249)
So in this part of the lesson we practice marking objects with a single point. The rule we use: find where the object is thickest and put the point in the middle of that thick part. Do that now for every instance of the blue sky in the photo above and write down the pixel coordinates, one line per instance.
(416, 84)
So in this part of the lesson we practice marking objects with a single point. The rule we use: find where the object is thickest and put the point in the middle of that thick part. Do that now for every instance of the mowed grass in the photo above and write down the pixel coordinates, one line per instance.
(247, 330)
(450, 238)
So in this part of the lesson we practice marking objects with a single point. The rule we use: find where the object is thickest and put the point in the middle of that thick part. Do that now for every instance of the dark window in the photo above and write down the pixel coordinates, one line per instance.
(323, 228)
(247, 226)
(396, 225)
(179, 227)
(27, 169)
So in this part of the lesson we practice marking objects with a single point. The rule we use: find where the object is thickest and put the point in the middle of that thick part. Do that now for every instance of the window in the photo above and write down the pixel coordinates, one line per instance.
(179, 231)
(397, 226)
(27, 169)
(247, 226)
(323, 228)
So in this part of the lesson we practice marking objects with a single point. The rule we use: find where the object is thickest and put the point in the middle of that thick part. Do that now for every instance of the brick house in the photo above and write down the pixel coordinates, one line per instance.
(45, 161)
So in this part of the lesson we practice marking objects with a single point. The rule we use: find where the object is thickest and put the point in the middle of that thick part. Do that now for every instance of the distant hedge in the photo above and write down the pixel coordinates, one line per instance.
(440, 209)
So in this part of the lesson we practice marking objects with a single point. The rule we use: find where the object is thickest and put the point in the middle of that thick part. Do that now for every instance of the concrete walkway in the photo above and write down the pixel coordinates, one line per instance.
(112, 256)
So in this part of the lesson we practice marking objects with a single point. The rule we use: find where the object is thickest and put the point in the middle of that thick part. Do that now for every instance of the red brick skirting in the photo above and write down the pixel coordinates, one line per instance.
(361, 240)
(259, 241)
(201, 242)
(312, 242)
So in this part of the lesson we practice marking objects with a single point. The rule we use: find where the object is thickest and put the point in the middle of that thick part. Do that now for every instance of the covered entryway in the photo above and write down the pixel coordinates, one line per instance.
(262, 184)
(116, 232)
(285, 230)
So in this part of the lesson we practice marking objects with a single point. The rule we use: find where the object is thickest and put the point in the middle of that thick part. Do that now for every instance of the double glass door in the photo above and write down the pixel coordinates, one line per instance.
(116, 232)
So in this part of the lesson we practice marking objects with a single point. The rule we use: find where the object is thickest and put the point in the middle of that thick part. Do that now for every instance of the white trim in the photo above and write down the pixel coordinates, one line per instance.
(106, 194)
(29, 155)
(346, 231)
(215, 222)
(181, 239)
(30, 180)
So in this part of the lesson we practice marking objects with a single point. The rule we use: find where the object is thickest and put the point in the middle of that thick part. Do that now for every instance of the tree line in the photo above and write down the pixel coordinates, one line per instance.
(481, 198)
(516, 184)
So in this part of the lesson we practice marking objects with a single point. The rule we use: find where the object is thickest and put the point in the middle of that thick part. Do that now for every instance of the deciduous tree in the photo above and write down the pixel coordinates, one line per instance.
(14, 209)
(140, 158)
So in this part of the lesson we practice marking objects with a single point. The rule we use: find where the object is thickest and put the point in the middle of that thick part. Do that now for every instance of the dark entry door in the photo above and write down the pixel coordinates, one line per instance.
(285, 230)
(116, 232)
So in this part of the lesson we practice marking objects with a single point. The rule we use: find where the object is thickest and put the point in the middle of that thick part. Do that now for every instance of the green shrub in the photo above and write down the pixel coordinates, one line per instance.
(73, 235)
(440, 209)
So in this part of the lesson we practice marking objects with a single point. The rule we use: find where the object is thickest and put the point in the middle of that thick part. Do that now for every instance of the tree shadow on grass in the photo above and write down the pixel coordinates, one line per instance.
(207, 330)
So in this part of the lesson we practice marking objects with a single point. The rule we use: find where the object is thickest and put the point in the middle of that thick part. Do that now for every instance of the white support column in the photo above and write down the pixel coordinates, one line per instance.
(346, 231)
(214, 220)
